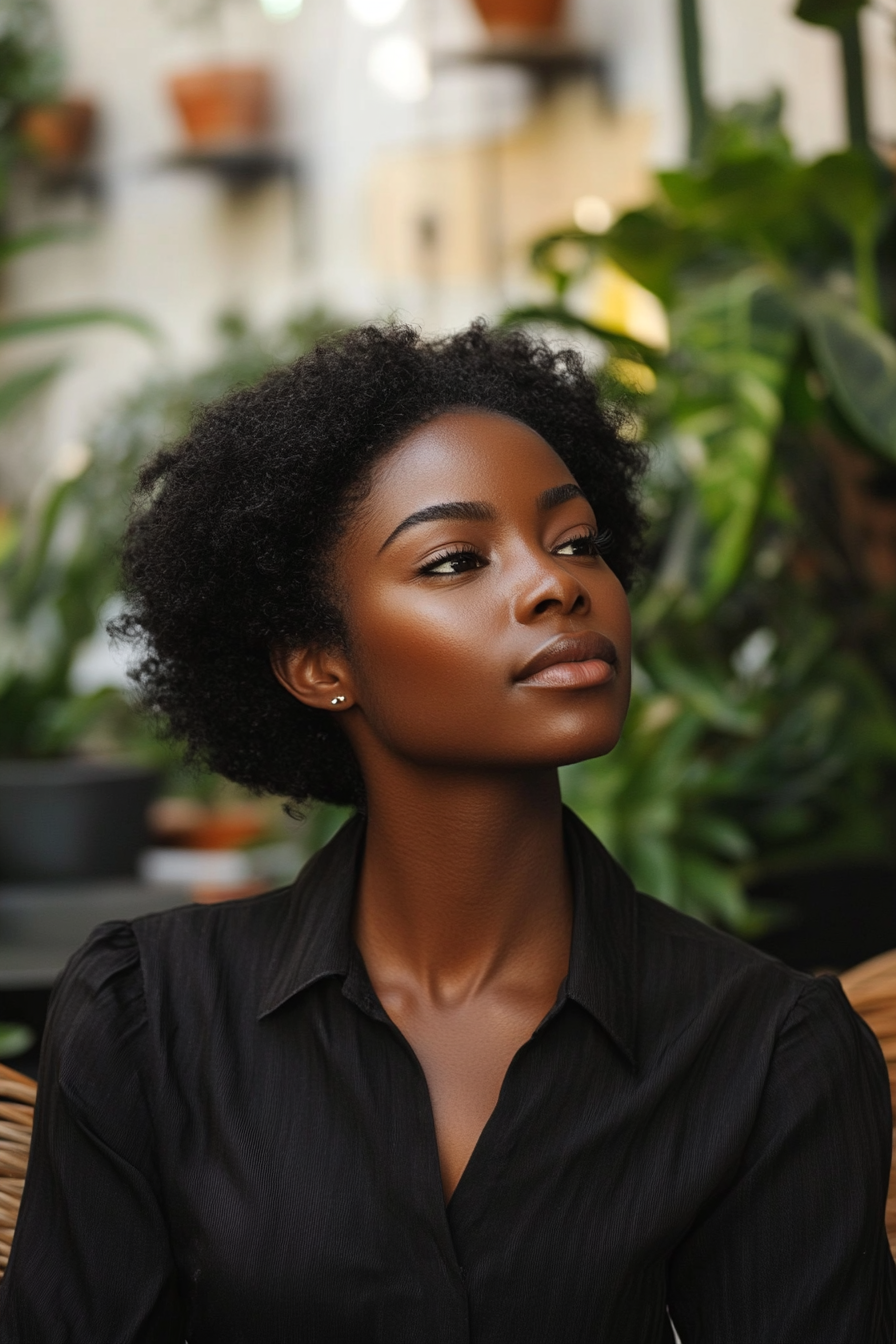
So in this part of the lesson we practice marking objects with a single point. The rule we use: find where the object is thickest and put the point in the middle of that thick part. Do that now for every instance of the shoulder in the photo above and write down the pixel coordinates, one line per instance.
(677, 965)
(690, 971)
(132, 952)
(198, 959)
(93, 1047)
(243, 923)
(115, 970)
(686, 947)
(102, 978)
(701, 981)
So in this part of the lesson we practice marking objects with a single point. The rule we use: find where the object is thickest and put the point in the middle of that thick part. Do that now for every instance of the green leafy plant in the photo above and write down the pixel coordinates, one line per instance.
(763, 727)
(58, 565)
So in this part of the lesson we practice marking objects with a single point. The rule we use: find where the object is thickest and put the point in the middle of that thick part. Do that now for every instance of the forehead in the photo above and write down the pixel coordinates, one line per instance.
(465, 455)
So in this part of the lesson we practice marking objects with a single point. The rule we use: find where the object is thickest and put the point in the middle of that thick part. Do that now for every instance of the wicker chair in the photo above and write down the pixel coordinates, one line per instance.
(871, 989)
(17, 1094)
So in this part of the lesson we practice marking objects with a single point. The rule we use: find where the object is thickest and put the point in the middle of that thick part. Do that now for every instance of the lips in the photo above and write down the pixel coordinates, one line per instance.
(572, 661)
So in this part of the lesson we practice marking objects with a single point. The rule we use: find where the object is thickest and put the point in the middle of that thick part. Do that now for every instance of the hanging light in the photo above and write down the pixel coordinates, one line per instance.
(399, 66)
(375, 13)
(278, 10)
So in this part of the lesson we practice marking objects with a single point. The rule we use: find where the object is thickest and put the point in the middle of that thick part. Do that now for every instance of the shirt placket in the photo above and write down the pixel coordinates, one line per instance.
(417, 1165)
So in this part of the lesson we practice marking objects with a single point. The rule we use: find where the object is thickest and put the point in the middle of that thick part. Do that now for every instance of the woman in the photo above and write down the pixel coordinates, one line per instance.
(460, 1082)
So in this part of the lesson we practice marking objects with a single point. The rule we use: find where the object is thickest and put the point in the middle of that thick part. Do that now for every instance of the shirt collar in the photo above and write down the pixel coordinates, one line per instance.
(603, 958)
(314, 940)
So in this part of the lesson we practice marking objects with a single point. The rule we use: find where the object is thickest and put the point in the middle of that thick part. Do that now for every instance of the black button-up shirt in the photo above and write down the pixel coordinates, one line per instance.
(234, 1143)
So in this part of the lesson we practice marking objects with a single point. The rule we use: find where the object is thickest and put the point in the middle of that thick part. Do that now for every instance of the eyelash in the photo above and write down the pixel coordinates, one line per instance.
(598, 543)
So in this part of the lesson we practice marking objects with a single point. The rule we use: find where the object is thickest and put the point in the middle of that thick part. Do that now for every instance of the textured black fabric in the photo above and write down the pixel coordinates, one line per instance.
(233, 1143)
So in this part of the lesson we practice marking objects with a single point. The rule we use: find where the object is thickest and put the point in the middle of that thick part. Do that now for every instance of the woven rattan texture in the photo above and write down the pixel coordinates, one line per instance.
(871, 989)
(17, 1095)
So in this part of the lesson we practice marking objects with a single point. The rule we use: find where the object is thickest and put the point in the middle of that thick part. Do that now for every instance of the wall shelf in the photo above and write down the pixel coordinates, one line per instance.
(65, 179)
(239, 169)
(549, 63)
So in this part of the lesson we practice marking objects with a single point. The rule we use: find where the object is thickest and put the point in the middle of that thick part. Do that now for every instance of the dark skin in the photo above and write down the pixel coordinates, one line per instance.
(464, 907)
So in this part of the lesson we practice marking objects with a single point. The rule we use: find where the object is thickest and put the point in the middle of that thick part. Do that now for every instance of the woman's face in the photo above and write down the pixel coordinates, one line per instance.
(485, 629)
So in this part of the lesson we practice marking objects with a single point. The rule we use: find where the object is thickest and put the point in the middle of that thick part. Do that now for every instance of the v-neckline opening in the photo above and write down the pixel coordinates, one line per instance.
(363, 994)
(551, 1013)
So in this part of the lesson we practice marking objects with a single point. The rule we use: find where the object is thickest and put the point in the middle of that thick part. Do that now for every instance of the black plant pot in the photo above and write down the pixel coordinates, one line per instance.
(69, 819)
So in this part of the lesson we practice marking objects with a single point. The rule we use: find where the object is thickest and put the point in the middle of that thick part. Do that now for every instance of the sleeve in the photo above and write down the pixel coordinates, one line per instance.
(795, 1249)
(91, 1259)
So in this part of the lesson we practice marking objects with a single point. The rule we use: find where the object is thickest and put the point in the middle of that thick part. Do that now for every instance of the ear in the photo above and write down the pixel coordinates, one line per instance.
(316, 677)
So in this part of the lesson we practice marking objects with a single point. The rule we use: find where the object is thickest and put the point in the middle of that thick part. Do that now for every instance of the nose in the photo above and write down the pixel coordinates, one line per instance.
(547, 585)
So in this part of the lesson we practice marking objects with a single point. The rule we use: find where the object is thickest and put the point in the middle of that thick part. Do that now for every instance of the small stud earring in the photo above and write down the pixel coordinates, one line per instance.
(338, 700)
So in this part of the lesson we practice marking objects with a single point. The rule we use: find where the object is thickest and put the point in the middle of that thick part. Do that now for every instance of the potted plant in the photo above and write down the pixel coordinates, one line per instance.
(59, 134)
(520, 18)
(223, 107)
(58, 817)
(62, 815)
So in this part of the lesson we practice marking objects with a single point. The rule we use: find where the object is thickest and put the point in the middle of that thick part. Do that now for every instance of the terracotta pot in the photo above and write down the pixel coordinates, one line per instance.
(185, 823)
(59, 133)
(520, 16)
(223, 106)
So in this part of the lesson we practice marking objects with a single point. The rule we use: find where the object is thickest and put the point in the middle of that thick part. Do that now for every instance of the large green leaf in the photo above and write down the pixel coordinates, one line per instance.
(859, 362)
(754, 203)
(46, 324)
(829, 13)
(852, 187)
(20, 387)
(652, 249)
(731, 491)
(854, 190)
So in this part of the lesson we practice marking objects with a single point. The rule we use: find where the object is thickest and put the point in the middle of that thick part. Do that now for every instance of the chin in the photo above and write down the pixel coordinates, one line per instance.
(575, 748)
(587, 752)
(582, 739)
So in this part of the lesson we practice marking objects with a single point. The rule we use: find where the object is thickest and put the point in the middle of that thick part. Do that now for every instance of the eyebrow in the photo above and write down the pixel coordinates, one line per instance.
(477, 511)
(459, 511)
(557, 495)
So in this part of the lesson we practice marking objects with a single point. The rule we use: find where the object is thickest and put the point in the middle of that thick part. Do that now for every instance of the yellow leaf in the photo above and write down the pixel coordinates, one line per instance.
(616, 302)
(635, 376)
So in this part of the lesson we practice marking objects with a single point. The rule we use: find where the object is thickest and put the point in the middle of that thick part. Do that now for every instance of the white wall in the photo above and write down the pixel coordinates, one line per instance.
(177, 247)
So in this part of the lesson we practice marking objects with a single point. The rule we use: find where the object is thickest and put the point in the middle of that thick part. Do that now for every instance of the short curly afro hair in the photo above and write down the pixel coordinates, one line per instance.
(222, 557)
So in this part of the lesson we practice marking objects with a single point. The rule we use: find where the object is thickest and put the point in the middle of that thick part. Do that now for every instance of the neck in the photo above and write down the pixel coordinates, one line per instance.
(464, 879)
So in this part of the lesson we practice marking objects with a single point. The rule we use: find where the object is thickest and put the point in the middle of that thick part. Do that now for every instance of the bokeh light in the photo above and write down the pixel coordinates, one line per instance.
(592, 214)
(280, 9)
(375, 13)
(399, 66)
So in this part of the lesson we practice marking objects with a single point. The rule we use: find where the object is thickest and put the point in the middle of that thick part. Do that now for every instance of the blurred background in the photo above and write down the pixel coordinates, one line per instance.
(699, 196)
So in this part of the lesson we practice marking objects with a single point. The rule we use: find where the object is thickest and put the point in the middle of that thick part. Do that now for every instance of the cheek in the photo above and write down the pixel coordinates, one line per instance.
(425, 655)
(432, 675)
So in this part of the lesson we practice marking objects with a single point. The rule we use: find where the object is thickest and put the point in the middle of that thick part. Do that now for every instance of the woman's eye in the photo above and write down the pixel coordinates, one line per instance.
(457, 562)
(588, 544)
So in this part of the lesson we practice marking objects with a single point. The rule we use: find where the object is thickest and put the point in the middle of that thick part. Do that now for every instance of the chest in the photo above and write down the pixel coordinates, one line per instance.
(464, 1051)
(308, 1180)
